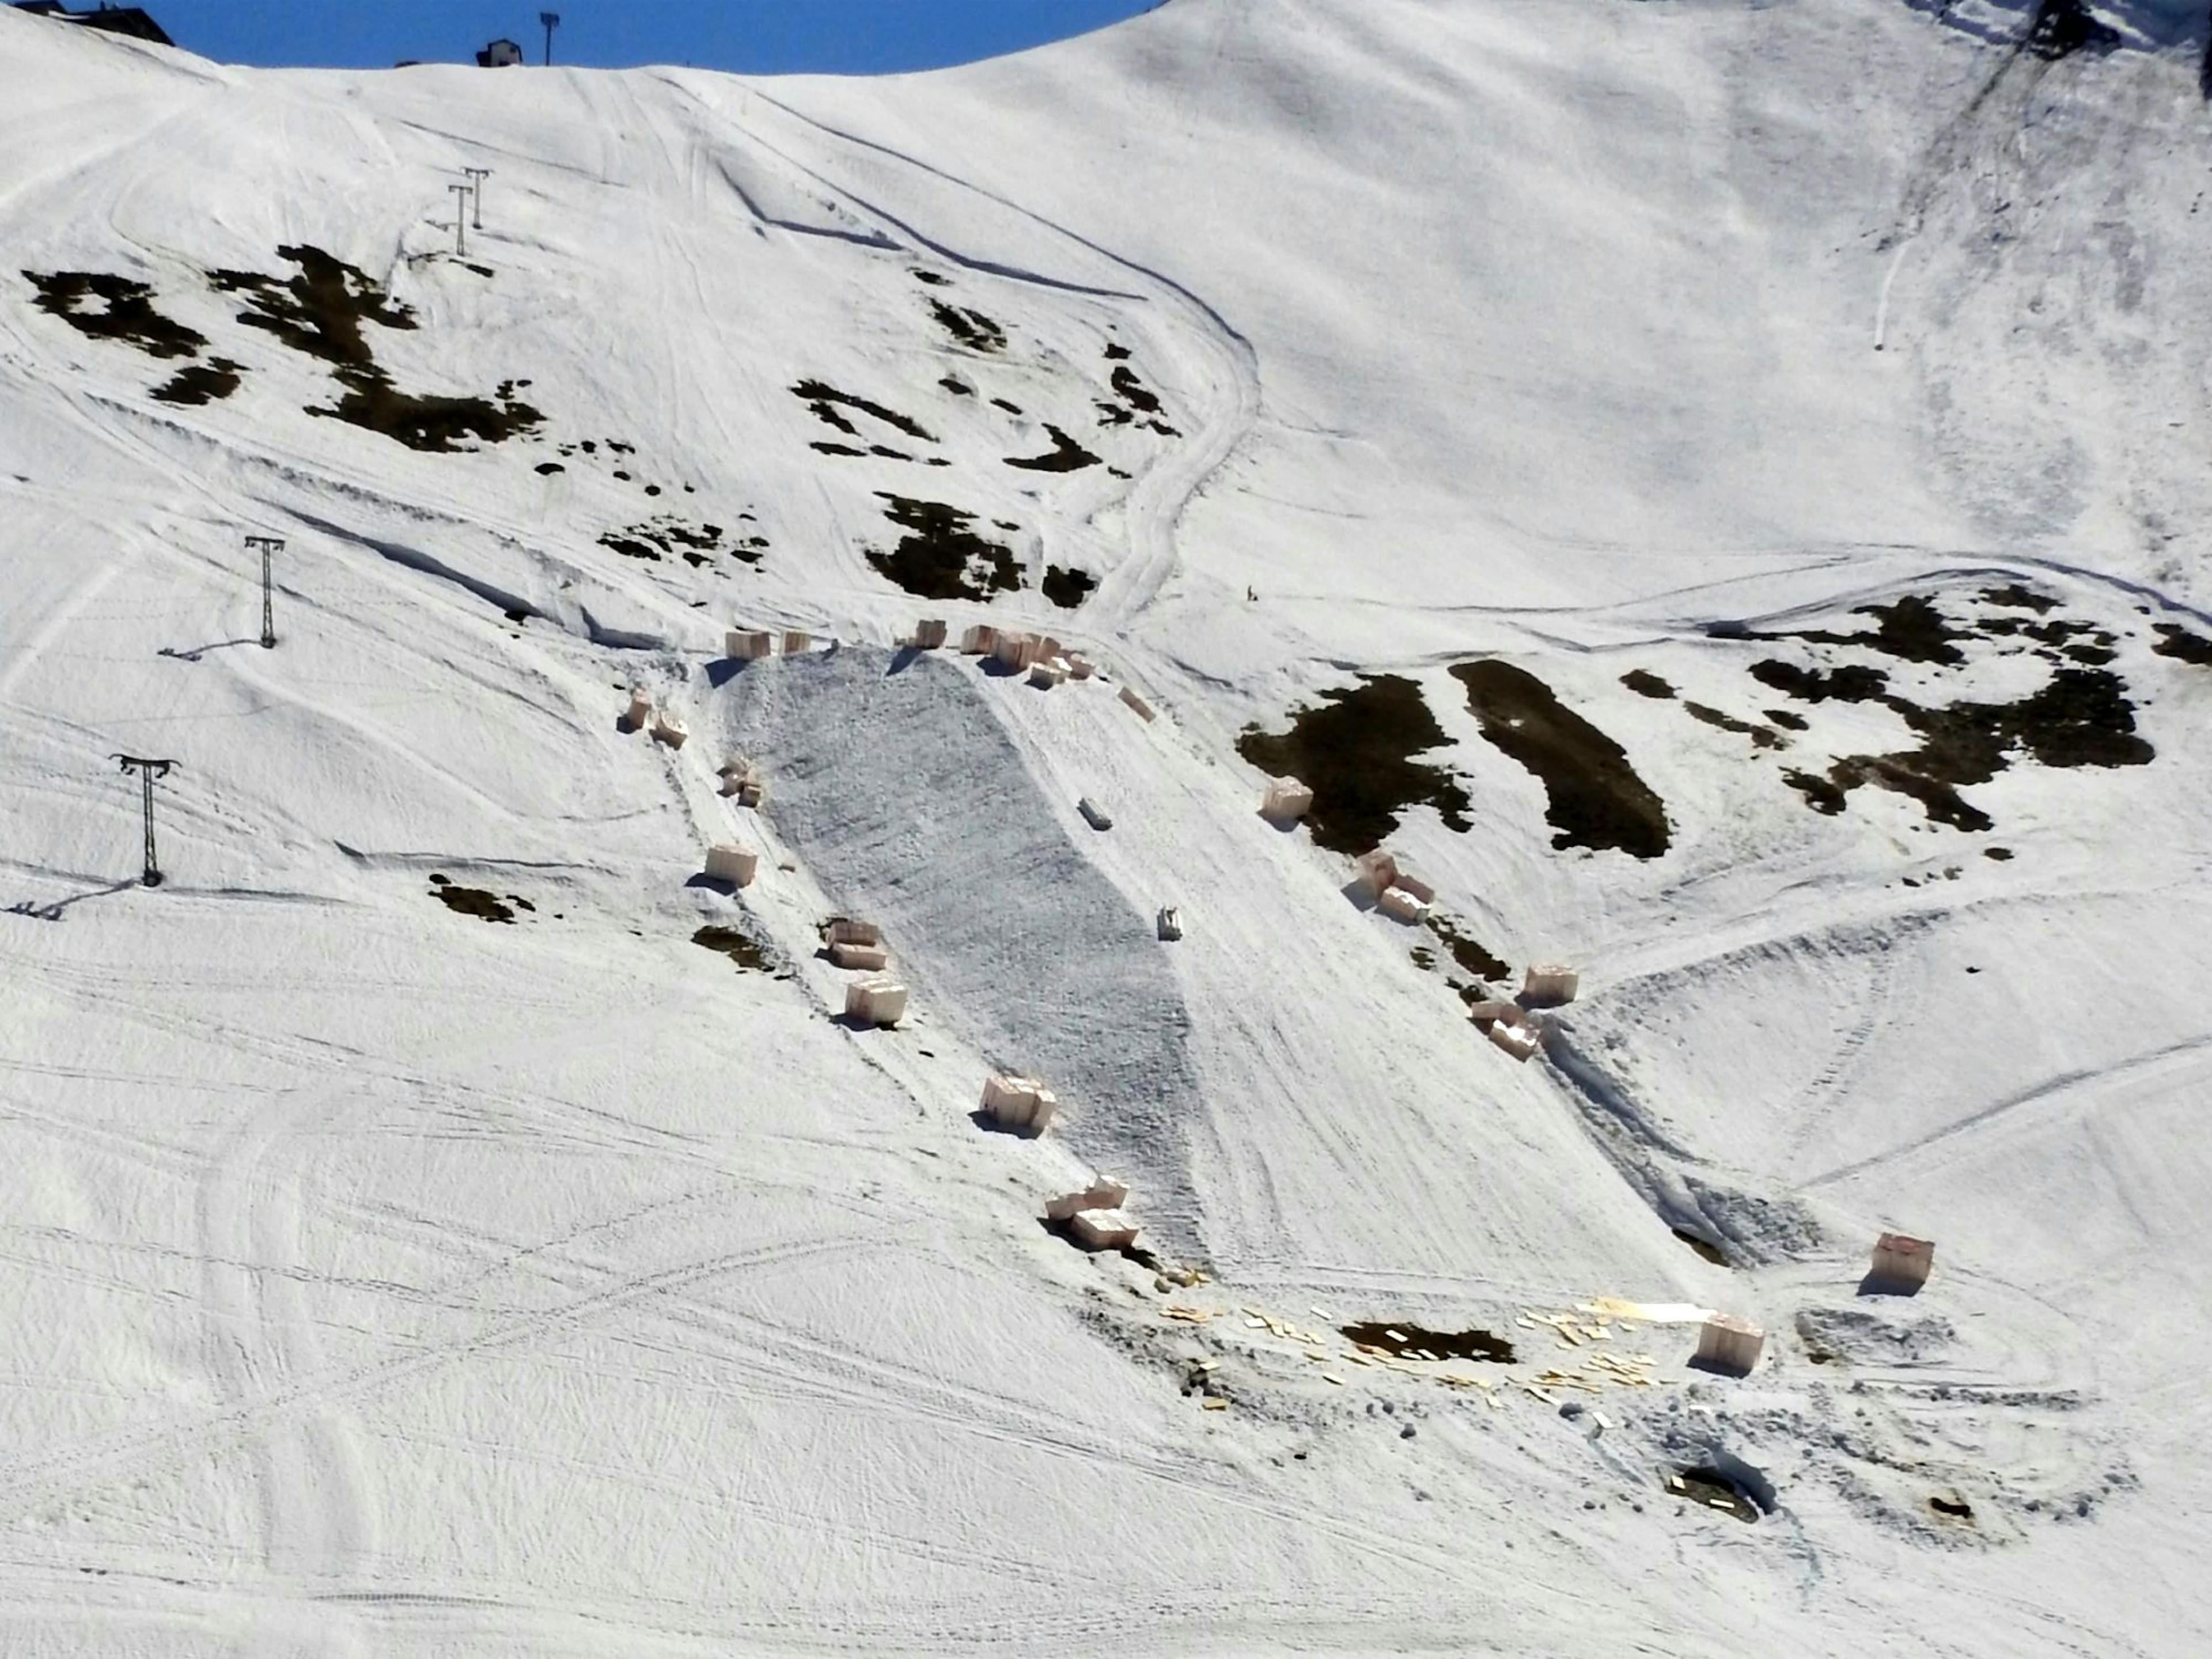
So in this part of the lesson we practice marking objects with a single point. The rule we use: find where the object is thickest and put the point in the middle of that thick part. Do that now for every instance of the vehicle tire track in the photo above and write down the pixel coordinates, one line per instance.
(2187, 1054)
(1227, 363)
(317, 1522)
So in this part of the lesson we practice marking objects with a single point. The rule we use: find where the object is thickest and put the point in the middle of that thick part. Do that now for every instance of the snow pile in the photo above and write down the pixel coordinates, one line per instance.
(900, 794)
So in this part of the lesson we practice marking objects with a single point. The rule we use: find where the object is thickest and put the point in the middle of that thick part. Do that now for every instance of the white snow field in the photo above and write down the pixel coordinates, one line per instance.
(1718, 488)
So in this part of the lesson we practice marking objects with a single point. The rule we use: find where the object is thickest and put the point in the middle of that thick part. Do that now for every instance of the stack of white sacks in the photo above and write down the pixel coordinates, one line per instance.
(1396, 891)
(728, 862)
(664, 725)
(876, 998)
(751, 644)
(1550, 983)
(857, 944)
(1018, 1103)
(1046, 662)
(743, 779)
(1512, 1027)
(748, 644)
(1286, 799)
(1094, 1215)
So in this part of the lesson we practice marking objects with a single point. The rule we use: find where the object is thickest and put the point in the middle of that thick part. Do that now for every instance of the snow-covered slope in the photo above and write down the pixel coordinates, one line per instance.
(1717, 487)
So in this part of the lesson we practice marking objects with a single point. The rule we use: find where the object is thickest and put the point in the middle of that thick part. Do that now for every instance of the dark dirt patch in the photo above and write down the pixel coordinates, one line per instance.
(828, 448)
(2063, 27)
(1703, 1483)
(1911, 629)
(1355, 750)
(1067, 586)
(1066, 455)
(971, 328)
(126, 311)
(740, 947)
(1402, 1338)
(200, 383)
(1116, 353)
(2080, 717)
(1011, 408)
(1820, 794)
(2019, 597)
(2083, 716)
(665, 535)
(1788, 722)
(2058, 632)
(547, 469)
(470, 900)
(2178, 642)
(1952, 1505)
(1133, 392)
(1595, 798)
(931, 278)
(888, 452)
(1645, 683)
(1138, 400)
(1705, 1248)
(825, 400)
(1764, 737)
(1467, 950)
(319, 311)
(1855, 683)
(956, 386)
(942, 558)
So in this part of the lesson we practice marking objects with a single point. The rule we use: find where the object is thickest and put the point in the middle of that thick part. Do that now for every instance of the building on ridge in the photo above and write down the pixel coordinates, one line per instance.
(132, 21)
(499, 54)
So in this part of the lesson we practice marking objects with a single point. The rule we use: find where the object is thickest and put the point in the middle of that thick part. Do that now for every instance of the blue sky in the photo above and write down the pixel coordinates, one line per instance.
(752, 36)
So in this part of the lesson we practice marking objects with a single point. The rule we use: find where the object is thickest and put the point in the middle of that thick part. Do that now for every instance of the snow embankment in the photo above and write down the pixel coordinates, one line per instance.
(894, 783)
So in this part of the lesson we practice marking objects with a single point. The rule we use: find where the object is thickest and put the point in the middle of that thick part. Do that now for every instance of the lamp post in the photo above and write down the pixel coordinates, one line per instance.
(552, 20)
